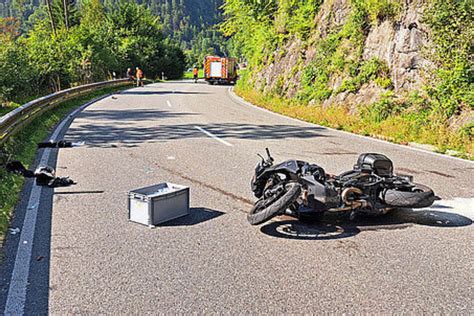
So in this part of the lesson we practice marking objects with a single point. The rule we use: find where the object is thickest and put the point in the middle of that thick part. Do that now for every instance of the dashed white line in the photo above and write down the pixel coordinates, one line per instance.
(214, 136)
(169, 103)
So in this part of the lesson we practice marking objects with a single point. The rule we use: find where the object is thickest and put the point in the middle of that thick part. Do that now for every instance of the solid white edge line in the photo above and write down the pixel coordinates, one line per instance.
(169, 103)
(16, 297)
(213, 136)
(238, 99)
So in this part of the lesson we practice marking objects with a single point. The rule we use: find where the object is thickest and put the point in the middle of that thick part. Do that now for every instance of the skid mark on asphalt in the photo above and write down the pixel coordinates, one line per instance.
(199, 182)
(407, 170)
(335, 153)
(440, 174)
(207, 185)
(331, 152)
(385, 227)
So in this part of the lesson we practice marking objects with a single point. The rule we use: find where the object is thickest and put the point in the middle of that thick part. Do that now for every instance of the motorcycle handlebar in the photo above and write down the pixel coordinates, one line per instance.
(268, 154)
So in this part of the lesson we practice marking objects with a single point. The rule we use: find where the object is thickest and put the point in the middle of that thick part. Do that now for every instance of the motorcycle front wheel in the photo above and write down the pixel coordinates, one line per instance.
(261, 213)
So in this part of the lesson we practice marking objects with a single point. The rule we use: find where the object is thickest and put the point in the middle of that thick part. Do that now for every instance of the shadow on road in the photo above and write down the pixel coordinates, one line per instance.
(119, 117)
(294, 229)
(196, 216)
(141, 92)
(97, 134)
(336, 226)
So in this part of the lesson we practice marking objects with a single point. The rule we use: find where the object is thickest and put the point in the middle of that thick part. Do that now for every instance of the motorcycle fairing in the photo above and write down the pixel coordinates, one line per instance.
(289, 168)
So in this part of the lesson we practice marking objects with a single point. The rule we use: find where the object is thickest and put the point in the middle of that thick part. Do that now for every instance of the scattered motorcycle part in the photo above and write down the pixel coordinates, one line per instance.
(60, 144)
(45, 176)
(18, 168)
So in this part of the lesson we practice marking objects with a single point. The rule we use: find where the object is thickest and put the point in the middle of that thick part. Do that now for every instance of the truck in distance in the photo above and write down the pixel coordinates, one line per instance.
(220, 70)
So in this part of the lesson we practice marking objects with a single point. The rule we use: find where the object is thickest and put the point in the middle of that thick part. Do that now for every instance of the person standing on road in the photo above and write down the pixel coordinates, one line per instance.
(130, 74)
(139, 74)
(195, 73)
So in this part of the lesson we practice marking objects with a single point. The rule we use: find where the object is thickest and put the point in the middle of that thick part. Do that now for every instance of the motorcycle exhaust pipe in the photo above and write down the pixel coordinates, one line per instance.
(356, 204)
(353, 204)
(345, 195)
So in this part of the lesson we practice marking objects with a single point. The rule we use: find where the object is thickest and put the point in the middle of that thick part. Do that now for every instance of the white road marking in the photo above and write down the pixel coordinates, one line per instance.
(169, 103)
(16, 298)
(456, 206)
(214, 136)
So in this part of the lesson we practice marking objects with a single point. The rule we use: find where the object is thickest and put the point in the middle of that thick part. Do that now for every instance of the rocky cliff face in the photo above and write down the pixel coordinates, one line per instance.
(399, 42)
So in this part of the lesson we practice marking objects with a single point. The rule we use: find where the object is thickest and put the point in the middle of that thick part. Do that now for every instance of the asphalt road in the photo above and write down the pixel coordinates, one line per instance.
(89, 259)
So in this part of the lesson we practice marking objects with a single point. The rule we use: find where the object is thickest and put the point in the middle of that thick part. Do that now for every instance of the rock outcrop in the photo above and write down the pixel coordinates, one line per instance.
(398, 42)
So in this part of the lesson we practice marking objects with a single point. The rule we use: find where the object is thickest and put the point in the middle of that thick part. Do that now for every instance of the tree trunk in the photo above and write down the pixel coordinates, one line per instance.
(58, 83)
(51, 18)
(66, 14)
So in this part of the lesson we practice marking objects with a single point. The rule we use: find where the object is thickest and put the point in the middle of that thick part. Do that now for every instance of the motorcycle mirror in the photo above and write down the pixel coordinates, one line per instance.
(268, 154)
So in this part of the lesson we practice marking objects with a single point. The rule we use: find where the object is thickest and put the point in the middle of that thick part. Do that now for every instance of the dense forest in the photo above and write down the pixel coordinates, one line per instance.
(193, 26)
(54, 44)
(62, 44)
(189, 24)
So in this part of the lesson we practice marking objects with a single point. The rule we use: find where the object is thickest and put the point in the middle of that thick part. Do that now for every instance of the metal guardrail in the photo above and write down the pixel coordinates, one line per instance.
(12, 121)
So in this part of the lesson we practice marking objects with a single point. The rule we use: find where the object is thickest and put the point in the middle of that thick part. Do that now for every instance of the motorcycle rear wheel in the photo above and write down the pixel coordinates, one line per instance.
(421, 196)
(260, 214)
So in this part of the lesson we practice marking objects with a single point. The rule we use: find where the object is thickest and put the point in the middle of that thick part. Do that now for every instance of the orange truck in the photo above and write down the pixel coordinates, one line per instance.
(220, 70)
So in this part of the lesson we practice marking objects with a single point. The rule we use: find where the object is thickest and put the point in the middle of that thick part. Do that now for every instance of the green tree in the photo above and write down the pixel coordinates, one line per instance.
(15, 77)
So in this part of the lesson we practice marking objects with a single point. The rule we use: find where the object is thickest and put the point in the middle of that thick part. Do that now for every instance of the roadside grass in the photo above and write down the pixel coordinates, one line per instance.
(396, 128)
(23, 145)
(189, 74)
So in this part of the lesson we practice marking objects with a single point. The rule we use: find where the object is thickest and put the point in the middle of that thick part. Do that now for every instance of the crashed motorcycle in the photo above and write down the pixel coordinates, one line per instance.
(303, 190)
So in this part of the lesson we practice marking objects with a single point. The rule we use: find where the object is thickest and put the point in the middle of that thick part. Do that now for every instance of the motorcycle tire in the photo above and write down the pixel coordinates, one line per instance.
(259, 215)
(421, 196)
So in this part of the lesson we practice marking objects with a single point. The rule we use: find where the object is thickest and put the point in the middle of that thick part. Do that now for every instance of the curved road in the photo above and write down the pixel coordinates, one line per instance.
(88, 258)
